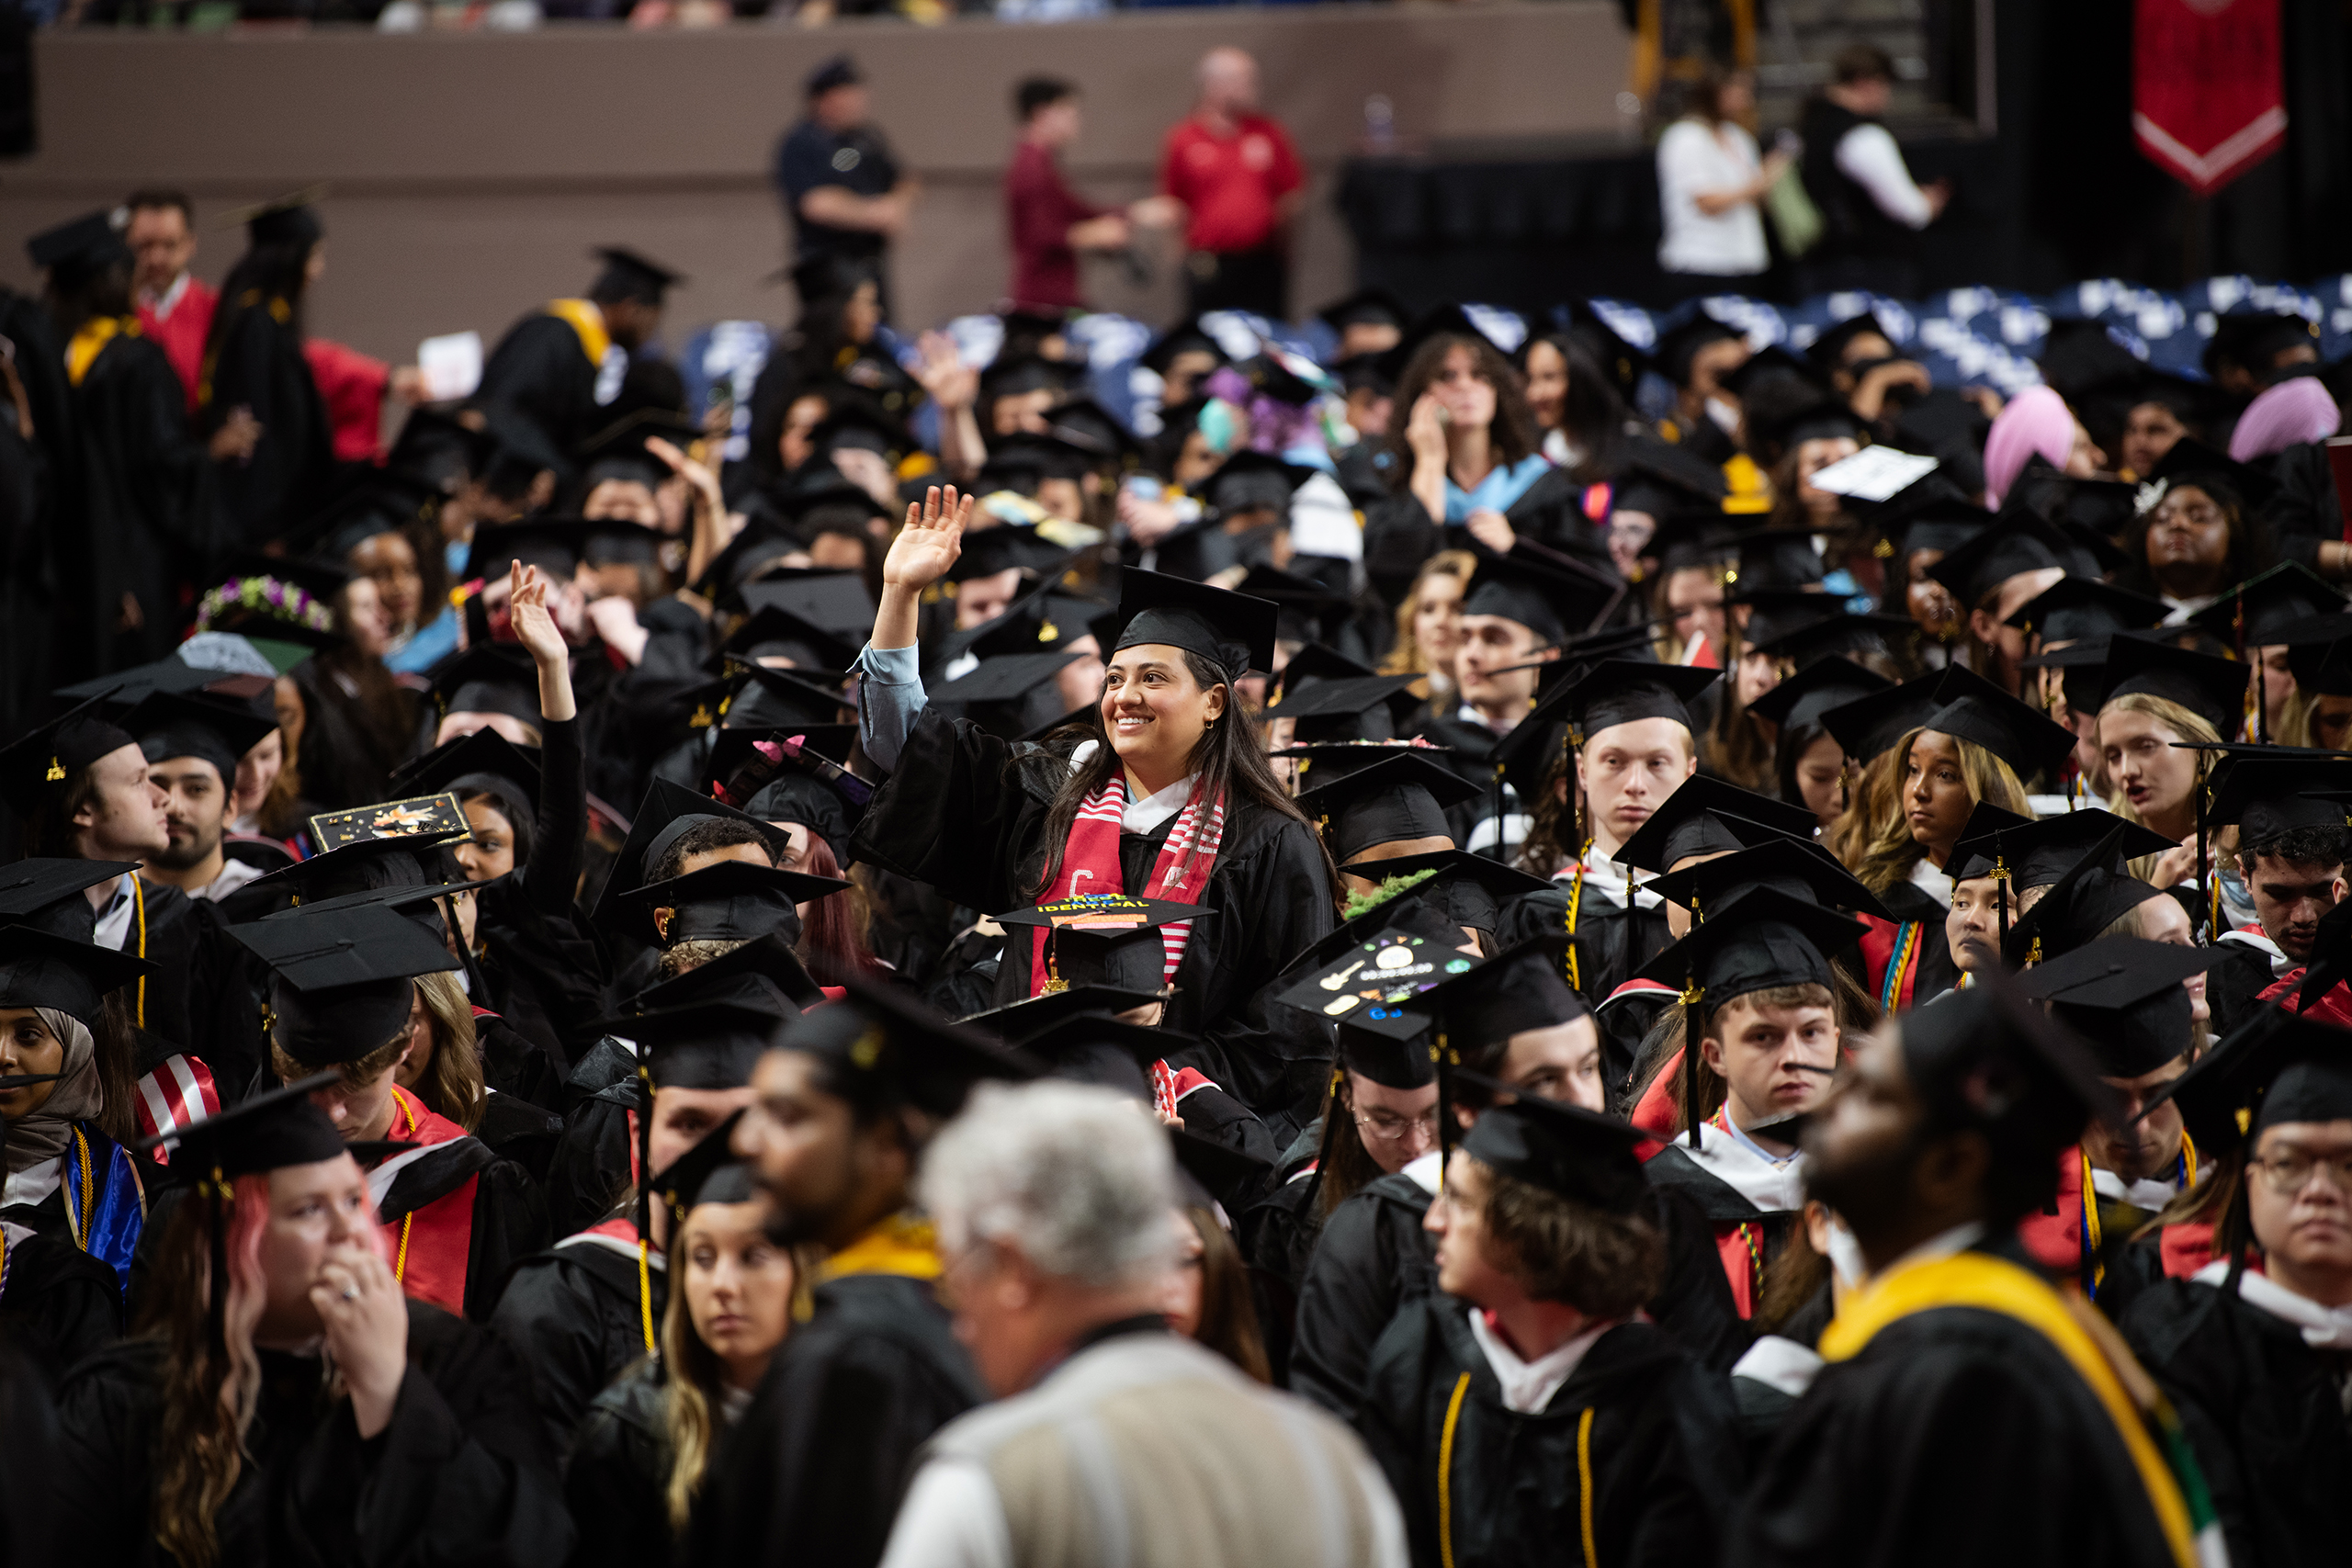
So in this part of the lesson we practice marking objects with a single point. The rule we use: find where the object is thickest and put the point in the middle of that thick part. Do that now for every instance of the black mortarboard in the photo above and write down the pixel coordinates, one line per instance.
(79, 249)
(1777, 555)
(1827, 636)
(1016, 1022)
(2225, 1096)
(1251, 481)
(834, 601)
(618, 451)
(1371, 305)
(1775, 609)
(1367, 982)
(2213, 689)
(1007, 677)
(39, 968)
(1939, 522)
(1763, 937)
(2075, 609)
(36, 892)
(2191, 461)
(1341, 709)
(855, 422)
(1218, 1172)
(1706, 815)
(1005, 548)
(1826, 350)
(1974, 709)
(886, 1046)
(1095, 1049)
(1470, 887)
(484, 760)
(2081, 356)
(810, 801)
(290, 220)
(2319, 654)
(36, 766)
(1619, 359)
(704, 1045)
(1987, 1055)
(2123, 996)
(729, 900)
(1677, 346)
(1772, 364)
(2255, 612)
(1443, 320)
(2092, 896)
(2036, 852)
(1186, 336)
(1778, 429)
(1566, 1150)
(1088, 427)
(1871, 727)
(361, 865)
(1518, 990)
(756, 974)
(1619, 690)
(1393, 796)
(2017, 541)
(1803, 871)
(1101, 939)
(488, 680)
(767, 697)
(2251, 339)
(667, 811)
(1232, 631)
(1392, 1061)
(1026, 373)
(2272, 794)
(628, 276)
(343, 980)
(1811, 691)
(170, 725)
(551, 544)
(269, 1131)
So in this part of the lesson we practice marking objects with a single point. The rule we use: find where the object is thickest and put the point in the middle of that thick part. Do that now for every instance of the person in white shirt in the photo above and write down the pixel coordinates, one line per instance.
(1710, 181)
(1871, 208)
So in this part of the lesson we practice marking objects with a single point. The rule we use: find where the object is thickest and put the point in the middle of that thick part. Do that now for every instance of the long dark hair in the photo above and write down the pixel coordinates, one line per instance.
(1230, 765)
(2252, 549)
(1592, 415)
(1512, 432)
(1796, 740)
(271, 277)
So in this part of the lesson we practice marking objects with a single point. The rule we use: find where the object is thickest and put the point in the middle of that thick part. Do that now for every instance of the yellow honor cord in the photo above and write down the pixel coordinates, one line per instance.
(645, 1289)
(1584, 1486)
(89, 1190)
(138, 902)
(1445, 1472)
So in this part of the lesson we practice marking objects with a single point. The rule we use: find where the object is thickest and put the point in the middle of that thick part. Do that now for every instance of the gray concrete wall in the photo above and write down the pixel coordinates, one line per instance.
(472, 173)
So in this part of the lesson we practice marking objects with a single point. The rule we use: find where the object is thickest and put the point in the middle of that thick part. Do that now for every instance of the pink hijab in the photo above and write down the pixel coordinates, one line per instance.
(2036, 419)
(2289, 414)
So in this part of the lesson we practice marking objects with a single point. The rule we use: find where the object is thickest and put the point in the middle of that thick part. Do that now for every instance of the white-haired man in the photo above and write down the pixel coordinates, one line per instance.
(1114, 1438)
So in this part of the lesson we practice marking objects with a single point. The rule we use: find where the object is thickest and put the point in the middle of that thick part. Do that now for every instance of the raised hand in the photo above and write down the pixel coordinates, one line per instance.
(942, 373)
(930, 542)
(534, 624)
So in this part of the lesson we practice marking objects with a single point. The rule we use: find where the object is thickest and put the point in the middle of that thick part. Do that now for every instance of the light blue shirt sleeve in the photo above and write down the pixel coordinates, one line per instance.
(890, 697)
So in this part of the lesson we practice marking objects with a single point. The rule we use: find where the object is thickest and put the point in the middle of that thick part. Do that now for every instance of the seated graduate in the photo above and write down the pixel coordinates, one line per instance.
(310, 1413)
(1530, 1406)
(637, 1466)
(2292, 844)
(587, 1307)
(2004, 865)
(1173, 800)
(2250, 1350)
(2128, 999)
(1957, 1375)
(343, 991)
(844, 1102)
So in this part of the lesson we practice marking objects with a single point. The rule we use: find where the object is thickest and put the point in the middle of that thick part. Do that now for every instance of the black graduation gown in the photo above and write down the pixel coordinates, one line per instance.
(201, 999)
(1664, 1460)
(1613, 943)
(541, 371)
(58, 1303)
(1374, 1259)
(520, 1130)
(509, 1219)
(967, 815)
(1764, 1408)
(575, 1311)
(1958, 1435)
(815, 1470)
(460, 1475)
(618, 1480)
(31, 1530)
(1399, 534)
(346, 760)
(545, 973)
(590, 1168)
(150, 522)
(257, 363)
(1936, 972)
(2263, 1411)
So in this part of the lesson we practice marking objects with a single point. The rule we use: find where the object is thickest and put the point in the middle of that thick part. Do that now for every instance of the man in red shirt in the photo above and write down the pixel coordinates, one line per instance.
(1049, 222)
(1238, 176)
(174, 305)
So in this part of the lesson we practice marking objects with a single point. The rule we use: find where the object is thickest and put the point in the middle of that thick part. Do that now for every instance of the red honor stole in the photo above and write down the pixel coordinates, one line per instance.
(428, 1247)
(1091, 864)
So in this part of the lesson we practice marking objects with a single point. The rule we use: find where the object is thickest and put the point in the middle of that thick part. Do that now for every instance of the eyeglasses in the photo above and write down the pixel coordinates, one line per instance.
(1391, 1129)
(2196, 514)
(2288, 1173)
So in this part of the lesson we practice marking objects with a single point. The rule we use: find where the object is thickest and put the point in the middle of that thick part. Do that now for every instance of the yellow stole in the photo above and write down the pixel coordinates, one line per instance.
(582, 317)
(904, 1245)
(1976, 1279)
(95, 333)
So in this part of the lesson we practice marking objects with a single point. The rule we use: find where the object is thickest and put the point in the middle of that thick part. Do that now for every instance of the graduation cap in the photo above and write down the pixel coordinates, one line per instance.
(767, 697)
(2015, 542)
(729, 900)
(813, 802)
(1218, 1173)
(1369, 306)
(1232, 631)
(1003, 683)
(2093, 894)
(1777, 555)
(2076, 608)
(2255, 612)
(1005, 548)
(2253, 339)
(35, 767)
(2081, 356)
(1871, 727)
(1566, 1150)
(763, 973)
(2266, 796)
(290, 221)
(1706, 815)
(1095, 1049)
(1536, 593)
(620, 451)
(172, 725)
(36, 892)
(1187, 336)
(2278, 1066)
(1612, 691)
(1251, 481)
(1396, 796)
(2195, 403)
(81, 248)
(1016, 1022)
(2036, 852)
(1443, 320)
(1972, 708)
(417, 822)
(701, 1045)
(1826, 351)
(1086, 426)
(1518, 990)
(1763, 937)
(1987, 1056)
(834, 602)
(628, 276)
(1824, 684)
(489, 679)
(268, 1131)
(1681, 344)
(1620, 361)
(1024, 373)
(343, 981)
(2123, 996)
(853, 422)
(1102, 939)
(357, 864)
(2191, 462)
(1938, 520)
(1366, 983)
(39, 968)
(1774, 367)
(1803, 871)
(775, 633)
(1367, 373)
(1777, 428)
(2213, 689)
(883, 1046)
(707, 1173)
(2319, 654)
(665, 814)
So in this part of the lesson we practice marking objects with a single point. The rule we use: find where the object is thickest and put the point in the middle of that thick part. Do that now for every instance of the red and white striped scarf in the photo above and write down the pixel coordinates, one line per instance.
(178, 1093)
(1091, 864)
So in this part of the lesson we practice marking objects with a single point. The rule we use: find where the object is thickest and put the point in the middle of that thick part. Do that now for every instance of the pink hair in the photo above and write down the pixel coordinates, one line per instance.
(2292, 413)
(2036, 419)
(830, 939)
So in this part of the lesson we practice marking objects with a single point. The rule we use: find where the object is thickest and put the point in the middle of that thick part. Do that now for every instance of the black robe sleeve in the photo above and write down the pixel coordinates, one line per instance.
(510, 1223)
(60, 1304)
(32, 1527)
(151, 512)
(1372, 1259)
(618, 1483)
(540, 370)
(257, 363)
(961, 812)
(577, 1319)
(590, 1168)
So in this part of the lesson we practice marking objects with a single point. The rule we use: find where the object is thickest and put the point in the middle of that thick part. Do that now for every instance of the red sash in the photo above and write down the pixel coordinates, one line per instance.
(1091, 864)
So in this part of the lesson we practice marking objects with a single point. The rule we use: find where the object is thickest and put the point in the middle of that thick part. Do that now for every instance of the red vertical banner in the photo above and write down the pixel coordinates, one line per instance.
(2208, 101)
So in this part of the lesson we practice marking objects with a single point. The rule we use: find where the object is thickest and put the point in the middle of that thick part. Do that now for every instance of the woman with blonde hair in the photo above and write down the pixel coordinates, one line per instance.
(2158, 699)
(1428, 626)
(280, 1389)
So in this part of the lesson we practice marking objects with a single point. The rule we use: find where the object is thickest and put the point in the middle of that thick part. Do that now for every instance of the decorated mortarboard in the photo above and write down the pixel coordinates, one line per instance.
(1369, 982)
(421, 820)
(1987, 1055)
(2191, 462)
(488, 680)
(2268, 795)
(1621, 691)
(702, 1044)
(2123, 995)
(39, 968)
(269, 1131)
(2092, 894)
(2254, 613)
(1234, 632)
(1469, 888)
(1101, 939)
(832, 601)
(1419, 908)
(2075, 609)
(2015, 542)
(1805, 872)
(2036, 852)
(1872, 726)
(666, 813)
(1706, 815)
(1824, 684)
(729, 900)
(484, 760)
(886, 1046)
(2215, 690)
(171, 724)
(1972, 708)
(1015, 1022)
(629, 275)
(36, 766)
(343, 981)
(1399, 795)
(1565, 1150)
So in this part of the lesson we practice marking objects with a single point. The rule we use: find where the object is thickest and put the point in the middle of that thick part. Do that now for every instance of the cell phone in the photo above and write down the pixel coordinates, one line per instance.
(1143, 487)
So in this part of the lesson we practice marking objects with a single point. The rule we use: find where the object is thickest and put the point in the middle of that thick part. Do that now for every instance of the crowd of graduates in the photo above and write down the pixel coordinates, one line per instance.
(1770, 985)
